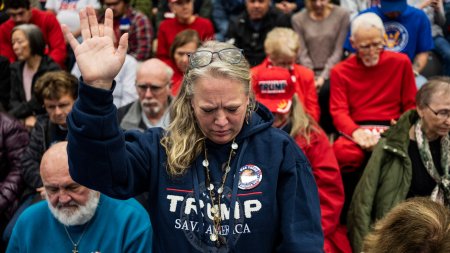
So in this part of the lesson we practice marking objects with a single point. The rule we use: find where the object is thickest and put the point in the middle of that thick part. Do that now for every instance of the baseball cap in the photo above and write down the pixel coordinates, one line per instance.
(274, 87)
(393, 5)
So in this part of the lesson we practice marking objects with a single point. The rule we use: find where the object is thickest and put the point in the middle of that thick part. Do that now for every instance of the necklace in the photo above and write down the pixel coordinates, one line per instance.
(215, 201)
(75, 245)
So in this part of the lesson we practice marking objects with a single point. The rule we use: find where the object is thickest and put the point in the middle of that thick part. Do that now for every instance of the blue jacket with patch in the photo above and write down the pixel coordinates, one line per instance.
(275, 209)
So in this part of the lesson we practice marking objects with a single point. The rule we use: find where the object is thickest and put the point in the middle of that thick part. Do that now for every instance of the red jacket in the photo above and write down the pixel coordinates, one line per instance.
(51, 29)
(379, 93)
(169, 28)
(305, 87)
(331, 191)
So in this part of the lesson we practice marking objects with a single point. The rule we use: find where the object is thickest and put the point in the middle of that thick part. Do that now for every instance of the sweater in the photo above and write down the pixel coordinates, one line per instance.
(169, 29)
(379, 93)
(118, 226)
(321, 42)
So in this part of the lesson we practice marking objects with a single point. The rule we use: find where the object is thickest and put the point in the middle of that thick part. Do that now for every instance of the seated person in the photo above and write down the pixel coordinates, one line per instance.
(184, 19)
(136, 24)
(29, 46)
(249, 29)
(13, 140)
(185, 42)
(21, 12)
(412, 159)
(408, 31)
(366, 94)
(290, 116)
(416, 225)
(282, 46)
(151, 109)
(57, 91)
(78, 219)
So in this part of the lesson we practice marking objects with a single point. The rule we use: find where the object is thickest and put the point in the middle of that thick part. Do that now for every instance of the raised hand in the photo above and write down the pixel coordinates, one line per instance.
(99, 61)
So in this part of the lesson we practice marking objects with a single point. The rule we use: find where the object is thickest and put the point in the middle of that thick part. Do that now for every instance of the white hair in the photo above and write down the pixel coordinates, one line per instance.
(81, 215)
(366, 21)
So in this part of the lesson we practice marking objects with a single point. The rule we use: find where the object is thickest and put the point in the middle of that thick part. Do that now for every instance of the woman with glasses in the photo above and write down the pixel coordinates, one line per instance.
(220, 179)
(412, 159)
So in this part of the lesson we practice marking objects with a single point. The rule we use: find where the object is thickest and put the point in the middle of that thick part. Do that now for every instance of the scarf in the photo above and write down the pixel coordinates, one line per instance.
(441, 193)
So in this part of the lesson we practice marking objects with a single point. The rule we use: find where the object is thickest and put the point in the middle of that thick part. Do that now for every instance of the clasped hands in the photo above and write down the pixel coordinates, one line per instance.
(365, 138)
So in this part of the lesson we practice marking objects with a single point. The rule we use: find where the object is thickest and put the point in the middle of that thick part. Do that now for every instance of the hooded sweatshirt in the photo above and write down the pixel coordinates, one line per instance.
(269, 203)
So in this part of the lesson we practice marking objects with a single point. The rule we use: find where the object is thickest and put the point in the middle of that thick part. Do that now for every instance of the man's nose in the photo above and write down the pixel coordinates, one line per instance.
(64, 198)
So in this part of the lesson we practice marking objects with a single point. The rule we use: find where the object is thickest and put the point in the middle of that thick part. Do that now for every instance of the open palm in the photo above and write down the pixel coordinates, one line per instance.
(99, 61)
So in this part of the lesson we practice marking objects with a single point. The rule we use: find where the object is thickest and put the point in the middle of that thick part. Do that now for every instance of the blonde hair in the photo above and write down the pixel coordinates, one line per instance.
(302, 123)
(183, 141)
(417, 225)
(282, 42)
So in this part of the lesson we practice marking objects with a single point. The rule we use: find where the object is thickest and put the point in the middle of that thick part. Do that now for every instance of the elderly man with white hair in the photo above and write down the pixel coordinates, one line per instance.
(77, 219)
(368, 90)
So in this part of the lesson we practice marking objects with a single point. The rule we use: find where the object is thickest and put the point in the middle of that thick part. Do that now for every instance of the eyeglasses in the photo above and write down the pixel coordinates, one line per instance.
(441, 114)
(366, 47)
(155, 89)
(203, 58)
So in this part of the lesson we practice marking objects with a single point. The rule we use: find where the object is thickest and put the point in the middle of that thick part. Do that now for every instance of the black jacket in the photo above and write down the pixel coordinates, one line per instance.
(13, 140)
(19, 107)
(41, 138)
(242, 31)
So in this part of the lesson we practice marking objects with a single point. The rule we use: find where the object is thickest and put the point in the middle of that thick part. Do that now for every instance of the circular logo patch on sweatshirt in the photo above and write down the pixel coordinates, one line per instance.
(249, 177)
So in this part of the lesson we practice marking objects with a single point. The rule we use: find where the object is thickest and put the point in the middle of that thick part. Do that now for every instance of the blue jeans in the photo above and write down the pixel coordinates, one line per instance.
(442, 48)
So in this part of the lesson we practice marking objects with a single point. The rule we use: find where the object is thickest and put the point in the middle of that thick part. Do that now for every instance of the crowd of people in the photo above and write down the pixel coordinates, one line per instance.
(224, 126)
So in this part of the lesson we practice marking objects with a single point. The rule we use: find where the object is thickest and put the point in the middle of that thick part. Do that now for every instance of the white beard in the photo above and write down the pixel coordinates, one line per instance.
(82, 213)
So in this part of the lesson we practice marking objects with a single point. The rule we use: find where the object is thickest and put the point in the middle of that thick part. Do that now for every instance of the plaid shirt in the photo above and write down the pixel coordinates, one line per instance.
(140, 33)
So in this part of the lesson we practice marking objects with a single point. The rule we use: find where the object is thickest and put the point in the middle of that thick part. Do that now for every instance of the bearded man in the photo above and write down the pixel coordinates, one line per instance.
(153, 81)
(77, 219)
(368, 91)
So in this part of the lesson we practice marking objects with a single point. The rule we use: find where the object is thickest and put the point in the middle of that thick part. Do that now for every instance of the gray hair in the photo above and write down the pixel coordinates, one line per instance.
(436, 85)
(366, 21)
(34, 36)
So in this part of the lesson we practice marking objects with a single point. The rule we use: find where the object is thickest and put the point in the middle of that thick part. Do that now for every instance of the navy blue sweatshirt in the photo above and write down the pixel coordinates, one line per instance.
(270, 201)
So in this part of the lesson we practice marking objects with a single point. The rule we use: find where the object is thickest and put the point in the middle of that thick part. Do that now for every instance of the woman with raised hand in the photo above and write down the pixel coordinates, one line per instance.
(220, 179)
